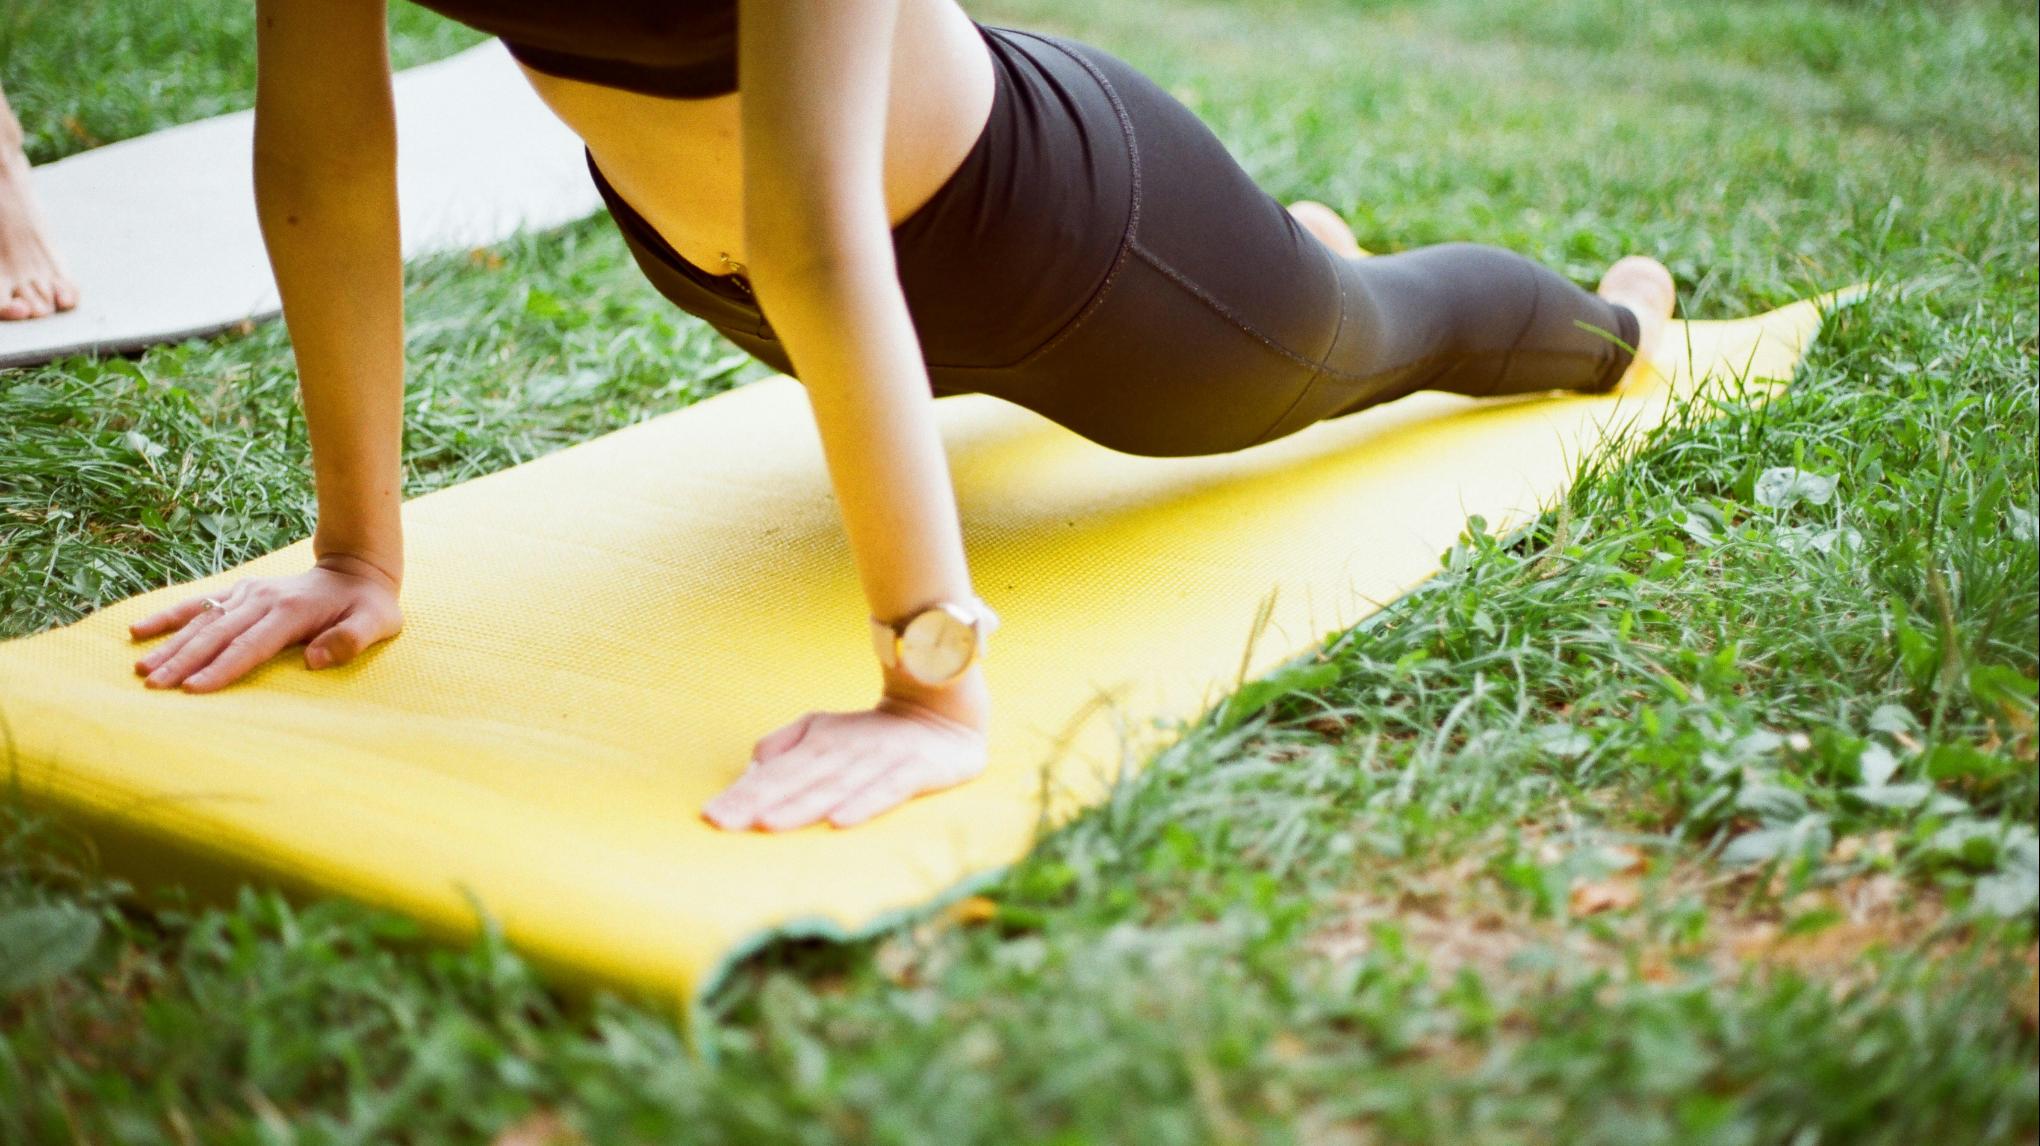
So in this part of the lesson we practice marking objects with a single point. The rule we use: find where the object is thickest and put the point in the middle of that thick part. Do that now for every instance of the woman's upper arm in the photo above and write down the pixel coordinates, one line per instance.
(815, 76)
(322, 88)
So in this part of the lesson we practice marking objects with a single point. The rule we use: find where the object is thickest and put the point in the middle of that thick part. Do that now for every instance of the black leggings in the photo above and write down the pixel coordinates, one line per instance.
(1100, 259)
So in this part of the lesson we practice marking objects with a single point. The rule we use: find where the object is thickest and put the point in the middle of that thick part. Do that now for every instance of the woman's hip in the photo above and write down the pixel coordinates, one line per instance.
(1098, 257)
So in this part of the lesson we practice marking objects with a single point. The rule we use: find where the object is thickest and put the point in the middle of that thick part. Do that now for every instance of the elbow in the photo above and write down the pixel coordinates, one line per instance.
(819, 237)
(824, 266)
(292, 155)
(324, 181)
(303, 163)
(815, 271)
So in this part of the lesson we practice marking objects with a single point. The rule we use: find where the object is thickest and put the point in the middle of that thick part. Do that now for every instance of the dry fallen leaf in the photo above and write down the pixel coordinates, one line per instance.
(1655, 967)
(1596, 896)
(76, 130)
(1286, 1047)
(539, 1128)
(1629, 860)
(971, 909)
(896, 960)
(1754, 941)
(1327, 725)
(2026, 1005)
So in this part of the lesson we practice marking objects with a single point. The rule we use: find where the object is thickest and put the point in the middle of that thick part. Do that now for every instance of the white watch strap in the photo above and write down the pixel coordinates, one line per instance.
(885, 642)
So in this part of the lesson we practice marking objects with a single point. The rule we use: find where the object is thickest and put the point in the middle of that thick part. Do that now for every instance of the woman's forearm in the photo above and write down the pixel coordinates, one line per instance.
(817, 77)
(326, 197)
(844, 322)
(846, 329)
(333, 241)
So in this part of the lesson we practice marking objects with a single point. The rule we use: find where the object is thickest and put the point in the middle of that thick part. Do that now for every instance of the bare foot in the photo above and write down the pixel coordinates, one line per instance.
(32, 282)
(1644, 286)
(1325, 223)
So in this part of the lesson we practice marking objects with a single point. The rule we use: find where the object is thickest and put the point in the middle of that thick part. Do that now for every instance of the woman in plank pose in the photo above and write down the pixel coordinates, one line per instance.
(896, 203)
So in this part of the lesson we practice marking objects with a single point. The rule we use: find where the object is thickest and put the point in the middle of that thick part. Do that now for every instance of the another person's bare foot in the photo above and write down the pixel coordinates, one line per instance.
(1645, 287)
(32, 282)
(1325, 223)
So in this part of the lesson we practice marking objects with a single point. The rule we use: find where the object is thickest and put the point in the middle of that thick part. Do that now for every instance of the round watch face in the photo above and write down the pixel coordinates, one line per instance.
(937, 645)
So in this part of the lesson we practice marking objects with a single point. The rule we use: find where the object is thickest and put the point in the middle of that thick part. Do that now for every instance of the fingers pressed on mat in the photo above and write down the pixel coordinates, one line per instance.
(735, 807)
(822, 793)
(155, 658)
(252, 647)
(185, 611)
(342, 642)
(880, 796)
(769, 783)
(200, 650)
(165, 620)
(782, 738)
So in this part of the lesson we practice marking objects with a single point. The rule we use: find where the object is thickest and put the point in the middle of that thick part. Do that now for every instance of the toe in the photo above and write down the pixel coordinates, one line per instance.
(39, 301)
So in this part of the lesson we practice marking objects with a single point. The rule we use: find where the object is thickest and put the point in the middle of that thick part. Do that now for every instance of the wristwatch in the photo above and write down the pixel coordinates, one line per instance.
(936, 644)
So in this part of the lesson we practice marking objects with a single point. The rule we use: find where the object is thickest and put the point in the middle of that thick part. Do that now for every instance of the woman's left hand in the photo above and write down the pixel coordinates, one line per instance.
(847, 767)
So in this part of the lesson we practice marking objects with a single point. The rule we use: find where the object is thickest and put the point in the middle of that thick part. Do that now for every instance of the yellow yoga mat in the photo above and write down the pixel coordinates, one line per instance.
(596, 638)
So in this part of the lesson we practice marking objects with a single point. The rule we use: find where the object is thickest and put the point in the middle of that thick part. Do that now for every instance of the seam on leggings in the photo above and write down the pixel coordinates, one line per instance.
(1622, 352)
(1223, 311)
(1338, 329)
(1126, 239)
(1326, 370)
(1509, 360)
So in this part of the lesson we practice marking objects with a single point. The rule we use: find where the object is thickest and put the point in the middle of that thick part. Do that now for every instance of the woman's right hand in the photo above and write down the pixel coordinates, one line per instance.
(339, 607)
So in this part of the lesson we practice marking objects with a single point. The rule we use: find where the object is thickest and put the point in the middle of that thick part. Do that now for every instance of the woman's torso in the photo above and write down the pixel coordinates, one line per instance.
(679, 161)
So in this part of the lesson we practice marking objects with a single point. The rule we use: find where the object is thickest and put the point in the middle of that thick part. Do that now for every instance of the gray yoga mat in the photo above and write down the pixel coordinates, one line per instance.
(160, 232)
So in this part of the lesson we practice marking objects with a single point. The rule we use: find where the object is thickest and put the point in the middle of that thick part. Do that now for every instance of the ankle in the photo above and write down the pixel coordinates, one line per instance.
(14, 167)
(12, 140)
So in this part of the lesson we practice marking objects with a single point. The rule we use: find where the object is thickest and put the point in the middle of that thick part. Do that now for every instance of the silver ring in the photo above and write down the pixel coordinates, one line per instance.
(215, 605)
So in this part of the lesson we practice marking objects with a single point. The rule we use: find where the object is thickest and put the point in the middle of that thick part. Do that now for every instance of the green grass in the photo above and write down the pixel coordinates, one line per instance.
(81, 73)
(1590, 841)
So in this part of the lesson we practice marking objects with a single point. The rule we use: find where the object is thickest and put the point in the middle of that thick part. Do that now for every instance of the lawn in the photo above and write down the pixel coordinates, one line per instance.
(1701, 813)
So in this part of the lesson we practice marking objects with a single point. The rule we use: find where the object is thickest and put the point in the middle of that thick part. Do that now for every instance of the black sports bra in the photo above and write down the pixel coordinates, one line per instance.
(685, 49)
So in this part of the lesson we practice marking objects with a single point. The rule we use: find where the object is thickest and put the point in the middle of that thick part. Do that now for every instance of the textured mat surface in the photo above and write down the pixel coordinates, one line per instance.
(160, 232)
(596, 637)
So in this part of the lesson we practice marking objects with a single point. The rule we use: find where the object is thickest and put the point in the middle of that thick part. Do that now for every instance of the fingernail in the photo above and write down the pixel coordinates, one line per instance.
(317, 658)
